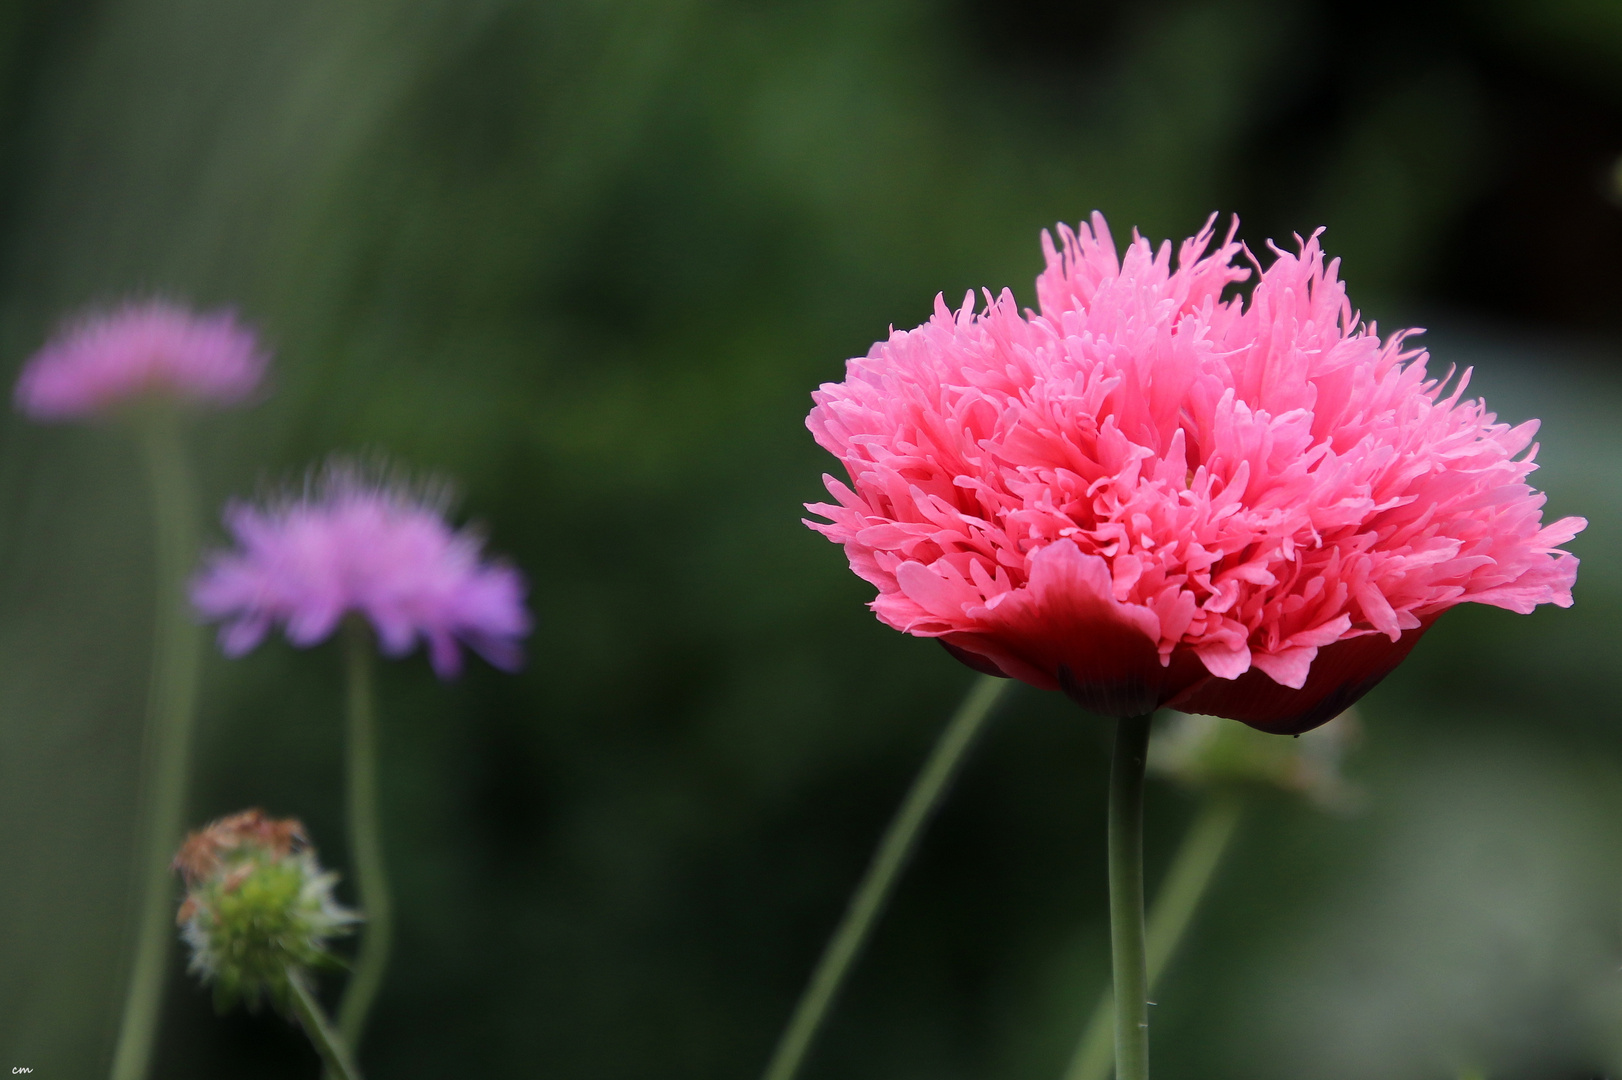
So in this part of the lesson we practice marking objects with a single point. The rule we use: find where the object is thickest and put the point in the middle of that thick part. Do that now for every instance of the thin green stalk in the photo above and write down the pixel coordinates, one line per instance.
(328, 1043)
(1129, 959)
(889, 859)
(166, 745)
(1190, 874)
(365, 836)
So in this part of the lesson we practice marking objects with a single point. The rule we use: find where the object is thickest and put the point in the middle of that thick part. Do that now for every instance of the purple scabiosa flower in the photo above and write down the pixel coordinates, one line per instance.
(368, 545)
(101, 361)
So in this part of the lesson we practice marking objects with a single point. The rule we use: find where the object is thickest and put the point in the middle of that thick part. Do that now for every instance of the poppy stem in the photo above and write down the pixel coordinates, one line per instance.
(365, 838)
(171, 710)
(328, 1043)
(890, 858)
(1179, 896)
(1130, 961)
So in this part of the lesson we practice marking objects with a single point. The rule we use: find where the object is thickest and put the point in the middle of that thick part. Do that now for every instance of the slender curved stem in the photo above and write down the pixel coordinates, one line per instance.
(166, 746)
(1128, 955)
(328, 1043)
(866, 903)
(1174, 906)
(365, 837)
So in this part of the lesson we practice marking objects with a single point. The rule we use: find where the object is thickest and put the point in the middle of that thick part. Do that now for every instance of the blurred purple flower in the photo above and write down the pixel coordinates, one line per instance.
(369, 546)
(103, 360)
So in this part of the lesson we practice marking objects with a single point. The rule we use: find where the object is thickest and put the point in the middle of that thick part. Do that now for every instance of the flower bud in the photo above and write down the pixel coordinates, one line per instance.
(258, 907)
(1209, 752)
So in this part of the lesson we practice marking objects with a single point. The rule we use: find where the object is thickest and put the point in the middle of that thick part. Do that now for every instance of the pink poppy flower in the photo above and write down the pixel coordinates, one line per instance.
(1146, 494)
(106, 360)
(366, 547)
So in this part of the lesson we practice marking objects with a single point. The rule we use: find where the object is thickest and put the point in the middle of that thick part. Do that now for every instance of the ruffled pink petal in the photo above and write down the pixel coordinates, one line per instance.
(1287, 667)
(1145, 492)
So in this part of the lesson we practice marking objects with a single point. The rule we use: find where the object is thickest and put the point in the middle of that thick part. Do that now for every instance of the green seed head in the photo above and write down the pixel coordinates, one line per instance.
(258, 906)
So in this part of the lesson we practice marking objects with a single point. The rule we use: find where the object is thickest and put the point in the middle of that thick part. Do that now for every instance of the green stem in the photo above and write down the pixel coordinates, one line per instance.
(328, 1043)
(876, 885)
(365, 836)
(166, 745)
(1130, 962)
(1190, 874)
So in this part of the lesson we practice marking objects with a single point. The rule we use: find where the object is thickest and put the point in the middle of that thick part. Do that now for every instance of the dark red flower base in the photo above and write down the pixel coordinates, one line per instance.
(1341, 674)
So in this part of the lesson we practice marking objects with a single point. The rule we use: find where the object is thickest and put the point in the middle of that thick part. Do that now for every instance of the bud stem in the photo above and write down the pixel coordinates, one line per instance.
(1179, 896)
(166, 746)
(1131, 976)
(365, 837)
(874, 890)
(327, 1042)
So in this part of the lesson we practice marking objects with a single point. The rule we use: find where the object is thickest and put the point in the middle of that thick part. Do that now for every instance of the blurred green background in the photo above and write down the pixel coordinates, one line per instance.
(589, 257)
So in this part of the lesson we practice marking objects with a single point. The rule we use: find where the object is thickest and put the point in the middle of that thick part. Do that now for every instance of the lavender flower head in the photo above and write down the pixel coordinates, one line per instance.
(357, 542)
(104, 360)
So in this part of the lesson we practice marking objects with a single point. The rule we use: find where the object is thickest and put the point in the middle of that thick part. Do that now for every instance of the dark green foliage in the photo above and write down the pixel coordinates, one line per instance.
(589, 258)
